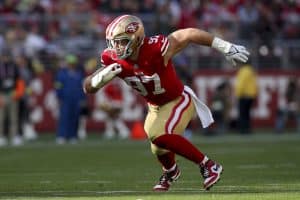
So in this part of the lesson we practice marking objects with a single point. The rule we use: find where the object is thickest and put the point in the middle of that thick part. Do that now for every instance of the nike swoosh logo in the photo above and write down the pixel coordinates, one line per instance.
(215, 168)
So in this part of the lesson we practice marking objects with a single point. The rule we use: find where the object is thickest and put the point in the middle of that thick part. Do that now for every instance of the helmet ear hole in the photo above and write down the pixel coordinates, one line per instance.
(129, 51)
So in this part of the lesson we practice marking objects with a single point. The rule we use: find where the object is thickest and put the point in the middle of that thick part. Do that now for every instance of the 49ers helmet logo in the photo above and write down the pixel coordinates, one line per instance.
(132, 27)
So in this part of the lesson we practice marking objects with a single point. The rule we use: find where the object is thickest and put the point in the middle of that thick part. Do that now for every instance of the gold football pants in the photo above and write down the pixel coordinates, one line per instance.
(170, 118)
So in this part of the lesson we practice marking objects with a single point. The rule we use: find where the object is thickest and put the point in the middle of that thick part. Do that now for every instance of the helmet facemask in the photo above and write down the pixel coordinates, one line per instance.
(121, 46)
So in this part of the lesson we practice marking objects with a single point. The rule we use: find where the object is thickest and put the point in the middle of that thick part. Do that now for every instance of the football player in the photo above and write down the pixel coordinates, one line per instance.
(145, 64)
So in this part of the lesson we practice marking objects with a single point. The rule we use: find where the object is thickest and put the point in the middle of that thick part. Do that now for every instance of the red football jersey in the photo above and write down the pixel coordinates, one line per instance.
(157, 83)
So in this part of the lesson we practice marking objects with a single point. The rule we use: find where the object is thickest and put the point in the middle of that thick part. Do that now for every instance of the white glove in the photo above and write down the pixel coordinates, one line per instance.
(237, 53)
(232, 52)
(104, 75)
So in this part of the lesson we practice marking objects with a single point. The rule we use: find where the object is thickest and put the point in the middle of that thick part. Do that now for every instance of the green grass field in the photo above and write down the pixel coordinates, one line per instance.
(260, 166)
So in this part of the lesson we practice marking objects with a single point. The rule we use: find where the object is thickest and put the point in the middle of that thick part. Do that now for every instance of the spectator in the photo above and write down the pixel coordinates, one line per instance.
(221, 105)
(26, 127)
(83, 115)
(266, 27)
(68, 85)
(111, 104)
(84, 107)
(248, 16)
(2, 43)
(11, 90)
(167, 16)
(148, 6)
(34, 42)
(246, 92)
(291, 106)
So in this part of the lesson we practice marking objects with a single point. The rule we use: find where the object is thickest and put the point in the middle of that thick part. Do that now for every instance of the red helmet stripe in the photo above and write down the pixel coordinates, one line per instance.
(114, 23)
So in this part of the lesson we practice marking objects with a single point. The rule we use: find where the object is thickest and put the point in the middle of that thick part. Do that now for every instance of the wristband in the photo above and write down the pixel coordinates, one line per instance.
(221, 45)
(103, 76)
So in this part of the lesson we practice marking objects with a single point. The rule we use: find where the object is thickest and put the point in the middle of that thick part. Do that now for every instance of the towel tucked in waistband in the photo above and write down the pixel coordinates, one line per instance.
(203, 111)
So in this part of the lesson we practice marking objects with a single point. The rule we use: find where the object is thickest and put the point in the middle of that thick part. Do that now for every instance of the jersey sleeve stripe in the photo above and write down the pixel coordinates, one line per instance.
(164, 44)
(165, 50)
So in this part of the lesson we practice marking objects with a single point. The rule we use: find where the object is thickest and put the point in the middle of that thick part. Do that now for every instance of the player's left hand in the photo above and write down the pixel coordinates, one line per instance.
(237, 53)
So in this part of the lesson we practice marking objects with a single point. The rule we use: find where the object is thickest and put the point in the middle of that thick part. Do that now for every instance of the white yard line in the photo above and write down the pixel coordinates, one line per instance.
(227, 188)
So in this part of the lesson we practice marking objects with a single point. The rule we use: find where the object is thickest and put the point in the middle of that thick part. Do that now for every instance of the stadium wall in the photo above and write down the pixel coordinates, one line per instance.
(272, 84)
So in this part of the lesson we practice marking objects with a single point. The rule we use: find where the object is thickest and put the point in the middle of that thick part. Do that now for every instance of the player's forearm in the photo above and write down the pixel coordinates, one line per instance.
(91, 84)
(87, 86)
(101, 77)
(199, 36)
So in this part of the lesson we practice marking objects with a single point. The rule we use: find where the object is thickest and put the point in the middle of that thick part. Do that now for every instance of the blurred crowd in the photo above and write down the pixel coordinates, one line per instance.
(49, 29)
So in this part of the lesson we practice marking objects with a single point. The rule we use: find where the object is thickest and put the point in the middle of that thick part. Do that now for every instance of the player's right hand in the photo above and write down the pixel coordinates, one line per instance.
(113, 69)
(237, 53)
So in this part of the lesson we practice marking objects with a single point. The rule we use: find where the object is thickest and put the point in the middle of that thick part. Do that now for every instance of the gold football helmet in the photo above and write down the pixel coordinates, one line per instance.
(124, 35)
